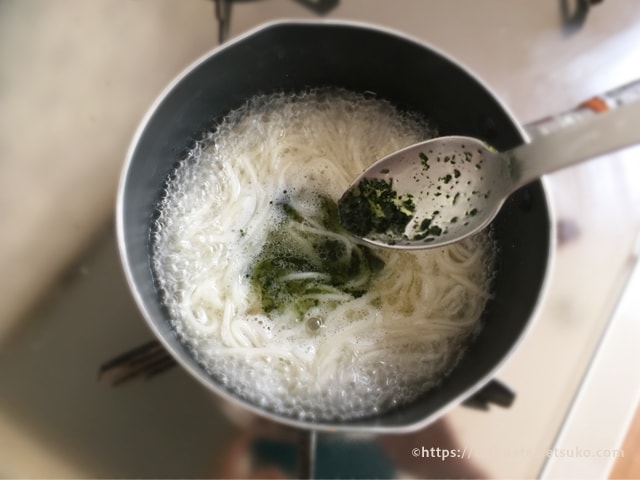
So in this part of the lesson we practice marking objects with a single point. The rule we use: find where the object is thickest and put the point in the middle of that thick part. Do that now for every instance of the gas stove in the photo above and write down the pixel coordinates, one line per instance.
(564, 398)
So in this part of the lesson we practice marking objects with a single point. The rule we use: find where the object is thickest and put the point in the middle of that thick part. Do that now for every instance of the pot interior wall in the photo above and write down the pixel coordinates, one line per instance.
(292, 57)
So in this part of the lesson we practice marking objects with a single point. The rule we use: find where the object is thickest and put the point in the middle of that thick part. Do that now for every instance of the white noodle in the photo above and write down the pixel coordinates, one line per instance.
(373, 351)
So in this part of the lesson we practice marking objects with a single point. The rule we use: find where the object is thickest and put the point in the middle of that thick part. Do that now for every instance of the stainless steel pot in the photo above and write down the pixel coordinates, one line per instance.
(292, 56)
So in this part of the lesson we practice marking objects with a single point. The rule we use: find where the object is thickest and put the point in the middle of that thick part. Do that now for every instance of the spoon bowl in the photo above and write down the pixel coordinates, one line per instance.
(457, 185)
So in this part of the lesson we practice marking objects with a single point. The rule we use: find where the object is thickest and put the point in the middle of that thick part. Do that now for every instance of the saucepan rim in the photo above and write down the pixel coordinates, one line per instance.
(210, 382)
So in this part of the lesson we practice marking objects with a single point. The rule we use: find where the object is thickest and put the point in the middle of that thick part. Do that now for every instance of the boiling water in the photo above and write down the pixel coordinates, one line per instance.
(350, 352)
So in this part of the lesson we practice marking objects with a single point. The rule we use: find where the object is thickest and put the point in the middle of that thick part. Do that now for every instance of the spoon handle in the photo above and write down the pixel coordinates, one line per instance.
(596, 135)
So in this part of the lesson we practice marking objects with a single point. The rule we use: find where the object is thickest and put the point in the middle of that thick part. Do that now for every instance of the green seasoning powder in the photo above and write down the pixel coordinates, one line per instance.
(299, 267)
(374, 207)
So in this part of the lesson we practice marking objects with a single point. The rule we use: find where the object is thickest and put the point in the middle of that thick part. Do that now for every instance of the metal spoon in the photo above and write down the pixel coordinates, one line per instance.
(448, 188)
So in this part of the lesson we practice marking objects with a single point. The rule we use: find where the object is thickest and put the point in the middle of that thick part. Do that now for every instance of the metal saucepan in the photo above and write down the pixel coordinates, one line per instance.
(292, 56)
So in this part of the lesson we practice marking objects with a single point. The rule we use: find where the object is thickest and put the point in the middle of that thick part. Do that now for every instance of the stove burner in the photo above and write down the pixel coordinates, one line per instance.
(223, 12)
